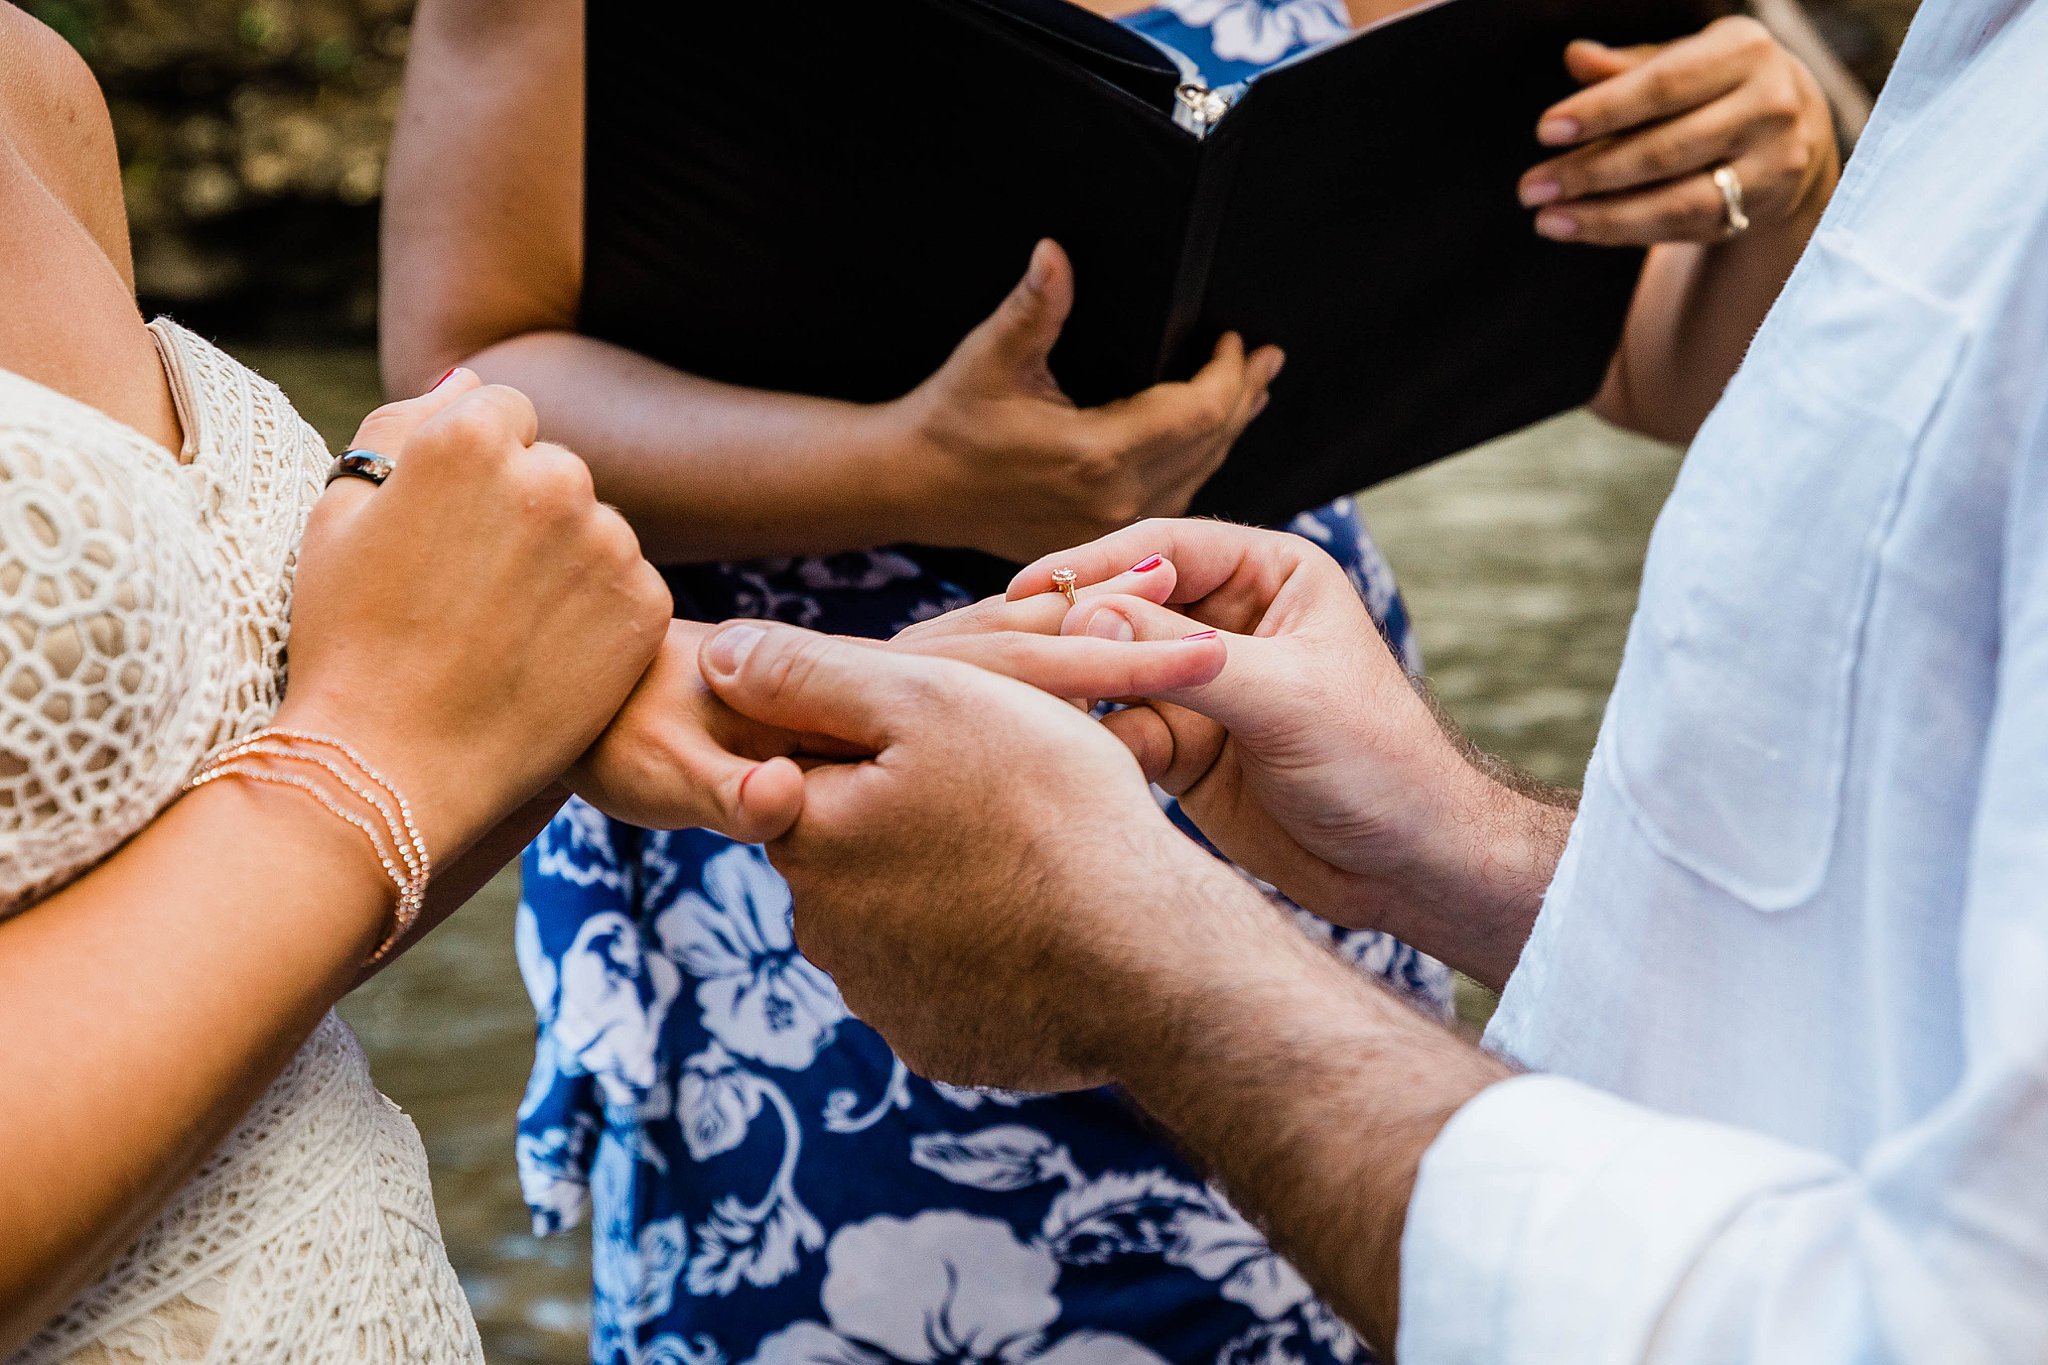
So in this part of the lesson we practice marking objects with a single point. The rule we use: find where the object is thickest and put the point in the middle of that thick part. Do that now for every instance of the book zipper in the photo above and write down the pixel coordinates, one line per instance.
(1201, 108)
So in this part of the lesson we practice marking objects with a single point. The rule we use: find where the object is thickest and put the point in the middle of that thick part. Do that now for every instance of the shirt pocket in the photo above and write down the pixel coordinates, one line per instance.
(1729, 730)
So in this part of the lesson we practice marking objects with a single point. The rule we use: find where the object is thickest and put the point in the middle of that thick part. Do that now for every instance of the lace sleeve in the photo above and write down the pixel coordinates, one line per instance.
(94, 567)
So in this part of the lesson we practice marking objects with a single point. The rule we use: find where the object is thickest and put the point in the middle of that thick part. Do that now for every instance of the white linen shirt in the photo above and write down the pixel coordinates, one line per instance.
(1790, 985)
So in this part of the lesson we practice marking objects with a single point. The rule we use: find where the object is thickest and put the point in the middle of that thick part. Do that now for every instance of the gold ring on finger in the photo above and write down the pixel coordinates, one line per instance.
(1063, 581)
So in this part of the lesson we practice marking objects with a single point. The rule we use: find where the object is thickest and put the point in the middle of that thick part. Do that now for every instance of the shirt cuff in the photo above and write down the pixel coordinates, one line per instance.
(1553, 1222)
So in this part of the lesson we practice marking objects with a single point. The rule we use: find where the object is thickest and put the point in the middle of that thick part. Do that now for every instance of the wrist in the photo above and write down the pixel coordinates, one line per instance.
(1236, 963)
(355, 905)
(910, 467)
(1209, 931)
(1482, 856)
(451, 795)
(896, 466)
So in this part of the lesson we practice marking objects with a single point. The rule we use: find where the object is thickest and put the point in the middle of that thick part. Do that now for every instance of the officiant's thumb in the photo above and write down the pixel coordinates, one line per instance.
(813, 684)
(1024, 328)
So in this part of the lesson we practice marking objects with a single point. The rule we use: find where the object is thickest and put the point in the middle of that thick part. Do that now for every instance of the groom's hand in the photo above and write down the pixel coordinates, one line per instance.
(1312, 760)
(988, 888)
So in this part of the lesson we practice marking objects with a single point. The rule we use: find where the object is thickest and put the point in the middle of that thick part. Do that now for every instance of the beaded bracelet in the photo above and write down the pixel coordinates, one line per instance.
(404, 858)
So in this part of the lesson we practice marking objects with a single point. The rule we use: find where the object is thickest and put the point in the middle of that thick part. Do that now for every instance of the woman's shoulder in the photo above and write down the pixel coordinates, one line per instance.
(54, 118)
(71, 322)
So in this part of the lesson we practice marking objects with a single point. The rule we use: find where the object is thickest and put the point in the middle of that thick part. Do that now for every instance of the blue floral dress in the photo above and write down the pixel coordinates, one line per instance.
(766, 1182)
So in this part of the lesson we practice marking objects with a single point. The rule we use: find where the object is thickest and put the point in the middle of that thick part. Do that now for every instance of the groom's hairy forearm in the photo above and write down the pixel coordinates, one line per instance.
(1492, 766)
(1491, 839)
(1310, 1093)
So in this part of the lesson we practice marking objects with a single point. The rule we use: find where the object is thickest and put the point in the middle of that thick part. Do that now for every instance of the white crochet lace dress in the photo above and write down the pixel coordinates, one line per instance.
(143, 606)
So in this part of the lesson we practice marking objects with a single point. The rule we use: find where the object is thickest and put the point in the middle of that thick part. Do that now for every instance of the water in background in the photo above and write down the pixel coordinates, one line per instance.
(1520, 561)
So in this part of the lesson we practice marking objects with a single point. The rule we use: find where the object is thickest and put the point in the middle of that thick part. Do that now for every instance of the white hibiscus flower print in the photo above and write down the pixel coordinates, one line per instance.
(716, 1103)
(1262, 31)
(671, 1349)
(614, 996)
(537, 970)
(576, 847)
(758, 995)
(973, 1097)
(635, 1275)
(857, 570)
(1218, 1244)
(944, 1287)
(759, 1243)
(551, 1174)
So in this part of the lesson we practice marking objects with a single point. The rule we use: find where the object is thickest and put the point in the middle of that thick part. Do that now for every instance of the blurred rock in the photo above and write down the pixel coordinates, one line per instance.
(253, 133)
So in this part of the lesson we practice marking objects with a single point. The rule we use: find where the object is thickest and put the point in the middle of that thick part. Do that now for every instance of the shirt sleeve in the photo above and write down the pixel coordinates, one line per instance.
(1553, 1223)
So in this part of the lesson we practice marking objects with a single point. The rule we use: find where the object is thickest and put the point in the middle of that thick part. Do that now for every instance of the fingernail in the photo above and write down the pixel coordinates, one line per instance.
(1279, 364)
(731, 646)
(1558, 131)
(1041, 269)
(1559, 227)
(1111, 625)
(1148, 564)
(444, 378)
(1540, 192)
(1199, 635)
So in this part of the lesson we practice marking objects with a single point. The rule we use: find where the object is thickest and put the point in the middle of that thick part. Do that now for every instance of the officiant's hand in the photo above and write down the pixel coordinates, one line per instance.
(995, 861)
(1007, 463)
(1654, 123)
(1312, 760)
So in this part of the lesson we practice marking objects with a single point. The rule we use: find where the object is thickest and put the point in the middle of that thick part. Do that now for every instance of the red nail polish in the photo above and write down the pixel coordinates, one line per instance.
(1200, 635)
(1148, 564)
(443, 379)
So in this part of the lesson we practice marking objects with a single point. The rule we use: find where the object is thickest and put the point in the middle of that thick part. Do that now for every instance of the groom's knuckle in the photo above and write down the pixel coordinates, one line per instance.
(924, 691)
(786, 670)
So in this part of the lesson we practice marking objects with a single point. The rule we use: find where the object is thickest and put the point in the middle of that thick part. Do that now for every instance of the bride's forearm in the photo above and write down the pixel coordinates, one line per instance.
(147, 1005)
(453, 886)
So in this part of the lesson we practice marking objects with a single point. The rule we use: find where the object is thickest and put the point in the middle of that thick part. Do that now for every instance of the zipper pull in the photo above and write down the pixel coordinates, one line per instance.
(1203, 108)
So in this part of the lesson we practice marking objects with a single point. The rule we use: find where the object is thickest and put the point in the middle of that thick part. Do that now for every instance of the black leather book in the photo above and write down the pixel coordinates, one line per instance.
(824, 196)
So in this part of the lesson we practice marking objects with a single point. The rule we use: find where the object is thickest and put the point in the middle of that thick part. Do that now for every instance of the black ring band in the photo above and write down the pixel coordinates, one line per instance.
(366, 465)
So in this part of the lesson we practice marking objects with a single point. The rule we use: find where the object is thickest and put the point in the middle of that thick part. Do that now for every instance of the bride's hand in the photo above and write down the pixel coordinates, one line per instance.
(676, 757)
(1019, 637)
(475, 622)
